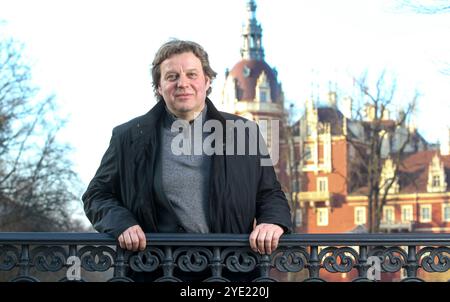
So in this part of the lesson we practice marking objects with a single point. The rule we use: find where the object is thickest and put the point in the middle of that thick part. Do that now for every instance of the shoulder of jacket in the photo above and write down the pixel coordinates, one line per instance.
(128, 126)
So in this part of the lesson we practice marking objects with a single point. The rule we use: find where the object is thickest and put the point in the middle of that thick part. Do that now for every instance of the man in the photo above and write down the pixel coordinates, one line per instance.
(142, 185)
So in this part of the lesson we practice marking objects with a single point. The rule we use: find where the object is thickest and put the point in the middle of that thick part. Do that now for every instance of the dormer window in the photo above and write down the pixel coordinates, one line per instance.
(388, 176)
(436, 176)
(263, 96)
(436, 181)
(263, 88)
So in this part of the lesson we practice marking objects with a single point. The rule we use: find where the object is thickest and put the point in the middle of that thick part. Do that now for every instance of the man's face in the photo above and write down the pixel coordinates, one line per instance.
(183, 85)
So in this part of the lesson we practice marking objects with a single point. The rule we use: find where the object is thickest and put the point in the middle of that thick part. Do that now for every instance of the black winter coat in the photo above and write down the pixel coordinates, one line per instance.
(120, 195)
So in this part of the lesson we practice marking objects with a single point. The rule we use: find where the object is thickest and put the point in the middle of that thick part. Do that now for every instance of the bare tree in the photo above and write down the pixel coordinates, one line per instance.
(291, 131)
(425, 6)
(377, 140)
(428, 7)
(37, 182)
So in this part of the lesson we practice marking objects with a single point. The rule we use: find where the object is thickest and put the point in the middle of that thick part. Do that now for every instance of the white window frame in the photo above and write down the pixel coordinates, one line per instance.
(410, 215)
(323, 180)
(444, 206)
(385, 210)
(263, 88)
(322, 216)
(421, 216)
(360, 215)
(263, 95)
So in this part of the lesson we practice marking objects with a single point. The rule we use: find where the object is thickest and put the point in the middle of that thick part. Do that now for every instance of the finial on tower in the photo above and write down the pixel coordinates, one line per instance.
(252, 33)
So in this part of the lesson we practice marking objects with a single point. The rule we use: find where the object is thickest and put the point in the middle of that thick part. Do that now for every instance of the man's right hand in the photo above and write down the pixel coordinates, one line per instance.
(133, 239)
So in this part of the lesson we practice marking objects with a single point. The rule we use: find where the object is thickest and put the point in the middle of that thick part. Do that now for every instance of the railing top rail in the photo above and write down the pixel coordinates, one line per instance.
(230, 239)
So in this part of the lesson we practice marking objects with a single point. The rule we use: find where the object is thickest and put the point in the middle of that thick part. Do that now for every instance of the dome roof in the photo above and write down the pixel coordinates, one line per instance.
(247, 72)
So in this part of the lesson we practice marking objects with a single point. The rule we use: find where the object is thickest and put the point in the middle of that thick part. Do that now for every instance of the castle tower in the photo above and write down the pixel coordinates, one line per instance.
(252, 89)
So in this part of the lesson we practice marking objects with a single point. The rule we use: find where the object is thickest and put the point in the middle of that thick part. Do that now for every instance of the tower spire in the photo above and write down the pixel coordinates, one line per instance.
(252, 33)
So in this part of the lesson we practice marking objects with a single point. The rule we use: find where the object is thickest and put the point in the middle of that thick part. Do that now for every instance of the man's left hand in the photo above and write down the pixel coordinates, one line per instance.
(264, 238)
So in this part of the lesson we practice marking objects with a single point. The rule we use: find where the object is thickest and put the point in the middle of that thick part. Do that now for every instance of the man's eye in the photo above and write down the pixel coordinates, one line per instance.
(171, 77)
(192, 75)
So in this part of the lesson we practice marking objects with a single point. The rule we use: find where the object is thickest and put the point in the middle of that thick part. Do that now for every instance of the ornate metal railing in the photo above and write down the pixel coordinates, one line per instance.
(73, 256)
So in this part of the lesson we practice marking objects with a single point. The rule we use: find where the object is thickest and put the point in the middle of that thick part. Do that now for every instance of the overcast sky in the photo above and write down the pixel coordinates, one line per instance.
(95, 55)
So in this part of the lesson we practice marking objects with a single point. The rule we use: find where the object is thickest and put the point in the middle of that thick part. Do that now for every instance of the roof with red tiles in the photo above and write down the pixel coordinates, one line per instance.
(247, 72)
(413, 172)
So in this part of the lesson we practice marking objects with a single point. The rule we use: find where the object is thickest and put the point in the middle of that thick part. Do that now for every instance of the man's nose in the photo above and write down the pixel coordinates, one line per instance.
(183, 80)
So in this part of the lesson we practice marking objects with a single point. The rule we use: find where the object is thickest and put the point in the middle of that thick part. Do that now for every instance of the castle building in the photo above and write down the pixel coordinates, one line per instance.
(332, 197)
(320, 166)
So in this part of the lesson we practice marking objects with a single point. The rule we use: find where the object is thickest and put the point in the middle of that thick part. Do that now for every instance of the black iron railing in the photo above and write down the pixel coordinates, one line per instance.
(216, 257)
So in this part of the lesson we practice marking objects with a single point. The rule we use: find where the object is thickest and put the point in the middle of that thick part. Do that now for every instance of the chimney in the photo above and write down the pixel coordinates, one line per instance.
(386, 114)
(347, 106)
(332, 99)
(370, 112)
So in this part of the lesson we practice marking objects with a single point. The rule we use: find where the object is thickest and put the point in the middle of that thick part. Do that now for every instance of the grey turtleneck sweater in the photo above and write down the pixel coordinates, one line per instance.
(182, 181)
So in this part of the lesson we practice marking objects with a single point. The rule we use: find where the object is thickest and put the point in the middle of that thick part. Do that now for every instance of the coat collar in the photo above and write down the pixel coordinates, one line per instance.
(151, 119)
(213, 113)
(145, 129)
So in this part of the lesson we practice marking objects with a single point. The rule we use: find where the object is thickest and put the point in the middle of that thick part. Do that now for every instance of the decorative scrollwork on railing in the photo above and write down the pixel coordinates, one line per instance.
(9, 257)
(98, 259)
(341, 260)
(290, 259)
(218, 258)
(392, 259)
(49, 258)
(147, 260)
(429, 255)
(193, 259)
(240, 259)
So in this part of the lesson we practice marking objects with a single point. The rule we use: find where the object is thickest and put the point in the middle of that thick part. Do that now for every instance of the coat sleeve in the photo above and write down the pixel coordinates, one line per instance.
(102, 203)
(271, 203)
